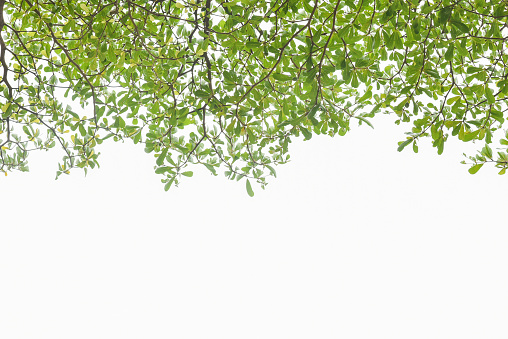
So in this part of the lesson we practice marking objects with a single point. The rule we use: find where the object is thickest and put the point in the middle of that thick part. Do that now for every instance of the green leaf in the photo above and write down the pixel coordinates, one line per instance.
(415, 147)
(364, 120)
(306, 133)
(311, 75)
(272, 170)
(470, 135)
(461, 26)
(452, 100)
(440, 146)
(27, 131)
(472, 69)
(84, 8)
(161, 157)
(362, 62)
(433, 73)
(188, 174)
(487, 151)
(404, 144)
(211, 168)
(252, 136)
(161, 170)
(250, 192)
(253, 44)
(82, 130)
(449, 52)
(282, 77)
(366, 96)
(444, 15)
(497, 115)
(313, 111)
(137, 138)
(202, 94)
(354, 80)
(168, 184)
(475, 168)
(490, 96)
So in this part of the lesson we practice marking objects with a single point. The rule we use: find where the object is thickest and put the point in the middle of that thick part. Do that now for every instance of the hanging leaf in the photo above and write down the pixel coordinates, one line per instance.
(475, 168)
(250, 192)
(404, 144)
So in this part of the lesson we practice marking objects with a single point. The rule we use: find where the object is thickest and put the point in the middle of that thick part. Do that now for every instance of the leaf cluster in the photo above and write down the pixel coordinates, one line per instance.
(230, 84)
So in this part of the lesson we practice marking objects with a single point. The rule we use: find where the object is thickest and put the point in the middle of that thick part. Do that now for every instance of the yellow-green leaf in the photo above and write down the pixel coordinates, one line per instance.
(475, 168)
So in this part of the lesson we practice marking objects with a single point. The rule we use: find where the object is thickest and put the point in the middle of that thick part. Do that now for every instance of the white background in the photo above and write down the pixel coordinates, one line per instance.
(352, 240)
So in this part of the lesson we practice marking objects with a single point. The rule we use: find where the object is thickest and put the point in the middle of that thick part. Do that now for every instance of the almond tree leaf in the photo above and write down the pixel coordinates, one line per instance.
(403, 145)
(365, 121)
(250, 192)
(475, 168)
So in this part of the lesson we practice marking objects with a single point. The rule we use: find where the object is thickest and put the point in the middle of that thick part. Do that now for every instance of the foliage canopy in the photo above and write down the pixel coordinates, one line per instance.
(227, 84)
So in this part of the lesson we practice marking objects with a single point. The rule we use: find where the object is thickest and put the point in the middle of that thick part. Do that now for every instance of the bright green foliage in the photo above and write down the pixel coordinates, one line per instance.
(228, 84)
